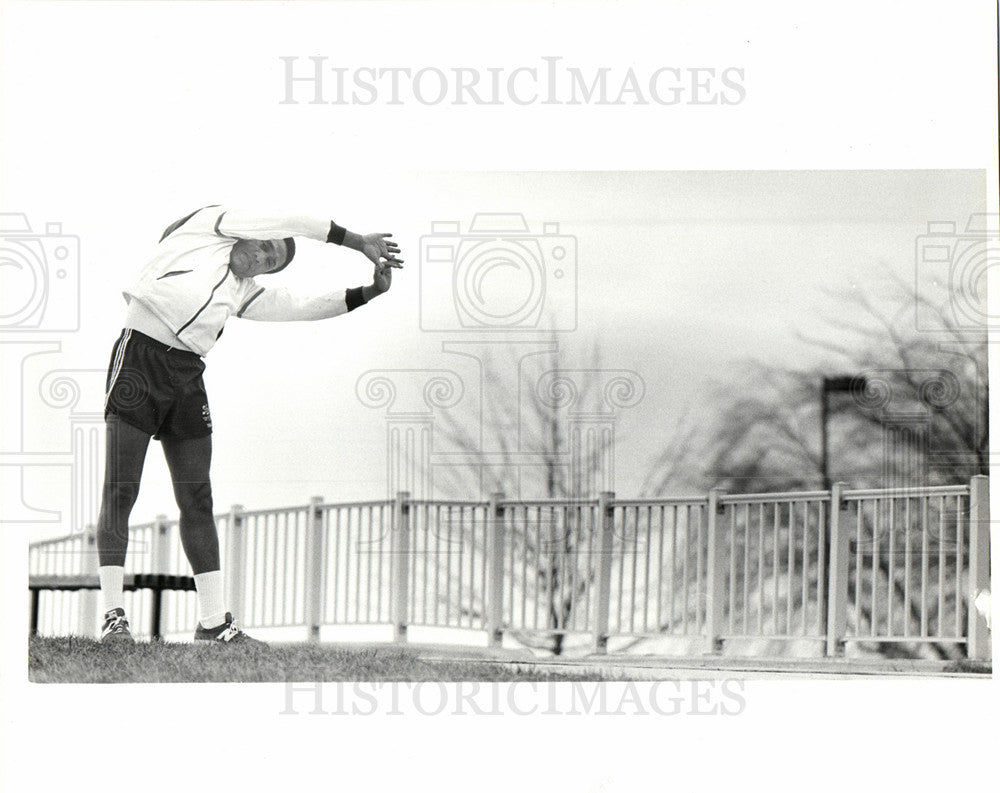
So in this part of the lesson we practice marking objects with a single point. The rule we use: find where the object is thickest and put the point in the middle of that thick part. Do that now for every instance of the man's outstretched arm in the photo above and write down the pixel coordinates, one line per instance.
(242, 224)
(281, 305)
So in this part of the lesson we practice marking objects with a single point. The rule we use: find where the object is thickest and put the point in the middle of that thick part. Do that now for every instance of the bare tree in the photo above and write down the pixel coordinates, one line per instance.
(917, 414)
(525, 445)
(762, 430)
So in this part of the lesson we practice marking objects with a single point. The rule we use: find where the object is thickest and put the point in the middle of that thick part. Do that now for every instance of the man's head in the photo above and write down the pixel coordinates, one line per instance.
(250, 258)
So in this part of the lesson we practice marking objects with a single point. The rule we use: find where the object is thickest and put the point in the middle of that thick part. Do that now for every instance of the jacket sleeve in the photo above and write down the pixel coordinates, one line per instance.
(243, 224)
(280, 305)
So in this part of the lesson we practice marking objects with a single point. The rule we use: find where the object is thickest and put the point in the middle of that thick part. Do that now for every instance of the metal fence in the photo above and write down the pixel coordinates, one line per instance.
(833, 567)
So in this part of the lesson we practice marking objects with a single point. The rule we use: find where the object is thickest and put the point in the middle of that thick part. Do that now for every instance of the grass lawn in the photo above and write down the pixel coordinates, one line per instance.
(78, 660)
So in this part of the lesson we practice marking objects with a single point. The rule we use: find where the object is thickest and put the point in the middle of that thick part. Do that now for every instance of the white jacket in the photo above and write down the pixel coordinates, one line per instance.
(188, 284)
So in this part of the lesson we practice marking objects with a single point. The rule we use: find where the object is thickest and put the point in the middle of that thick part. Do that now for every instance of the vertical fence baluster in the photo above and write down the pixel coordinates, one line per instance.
(495, 563)
(941, 567)
(511, 544)
(791, 568)
(380, 612)
(401, 549)
(823, 567)
(580, 567)
(716, 563)
(564, 550)
(959, 594)
(421, 557)
(635, 570)
(685, 572)
(746, 567)
(876, 520)
(859, 567)
(731, 544)
(907, 516)
(369, 580)
(891, 583)
(649, 553)
(461, 559)
(925, 562)
(236, 566)
(315, 559)
(700, 574)
(978, 634)
(448, 547)
(526, 537)
(774, 571)
(357, 532)
(805, 568)
(836, 621)
(605, 518)
(621, 567)
(273, 583)
(544, 581)
(659, 571)
(760, 569)
(160, 554)
(673, 567)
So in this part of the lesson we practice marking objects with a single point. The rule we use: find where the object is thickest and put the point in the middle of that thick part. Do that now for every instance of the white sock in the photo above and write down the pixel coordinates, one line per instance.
(112, 580)
(211, 611)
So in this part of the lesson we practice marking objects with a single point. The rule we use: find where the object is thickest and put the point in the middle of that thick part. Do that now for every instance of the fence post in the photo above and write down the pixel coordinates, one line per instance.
(716, 563)
(836, 618)
(236, 561)
(401, 557)
(159, 557)
(606, 530)
(979, 646)
(87, 614)
(494, 564)
(315, 564)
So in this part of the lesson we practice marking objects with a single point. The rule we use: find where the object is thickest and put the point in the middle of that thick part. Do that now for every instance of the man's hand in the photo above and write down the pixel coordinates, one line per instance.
(381, 250)
(381, 281)
(377, 247)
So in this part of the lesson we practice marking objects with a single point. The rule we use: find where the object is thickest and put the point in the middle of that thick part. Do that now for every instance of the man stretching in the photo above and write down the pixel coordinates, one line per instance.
(202, 273)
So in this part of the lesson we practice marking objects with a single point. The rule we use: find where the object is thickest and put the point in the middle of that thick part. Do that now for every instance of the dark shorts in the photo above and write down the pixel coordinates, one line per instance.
(157, 388)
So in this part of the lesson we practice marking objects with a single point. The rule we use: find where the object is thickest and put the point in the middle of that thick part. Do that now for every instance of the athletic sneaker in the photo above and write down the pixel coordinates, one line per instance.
(115, 629)
(226, 633)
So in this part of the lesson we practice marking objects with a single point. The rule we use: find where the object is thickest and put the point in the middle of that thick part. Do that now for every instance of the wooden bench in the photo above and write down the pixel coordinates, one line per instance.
(133, 581)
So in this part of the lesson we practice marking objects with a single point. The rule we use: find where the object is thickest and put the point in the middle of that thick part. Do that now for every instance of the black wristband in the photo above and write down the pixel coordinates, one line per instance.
(337, 234)
(355, 297)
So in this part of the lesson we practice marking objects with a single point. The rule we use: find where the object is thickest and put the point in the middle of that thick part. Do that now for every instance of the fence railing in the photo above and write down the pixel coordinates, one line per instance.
(833, 567)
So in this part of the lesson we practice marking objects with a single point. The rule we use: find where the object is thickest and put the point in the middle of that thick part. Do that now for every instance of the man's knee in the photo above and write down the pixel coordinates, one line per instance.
(194, 499)
(121, 495)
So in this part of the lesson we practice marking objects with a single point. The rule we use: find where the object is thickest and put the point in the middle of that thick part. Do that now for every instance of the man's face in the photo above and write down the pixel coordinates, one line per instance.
(250, 258)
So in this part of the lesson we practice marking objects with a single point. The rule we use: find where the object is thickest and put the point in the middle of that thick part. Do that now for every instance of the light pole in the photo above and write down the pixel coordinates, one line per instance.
(841, 384)
(830, 385)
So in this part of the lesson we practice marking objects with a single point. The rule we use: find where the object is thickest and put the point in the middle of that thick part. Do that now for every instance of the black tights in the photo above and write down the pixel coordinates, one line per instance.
(189, 462)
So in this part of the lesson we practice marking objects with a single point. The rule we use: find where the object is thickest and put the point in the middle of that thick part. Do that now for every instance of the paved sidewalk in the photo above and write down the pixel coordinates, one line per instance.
(642, 667)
